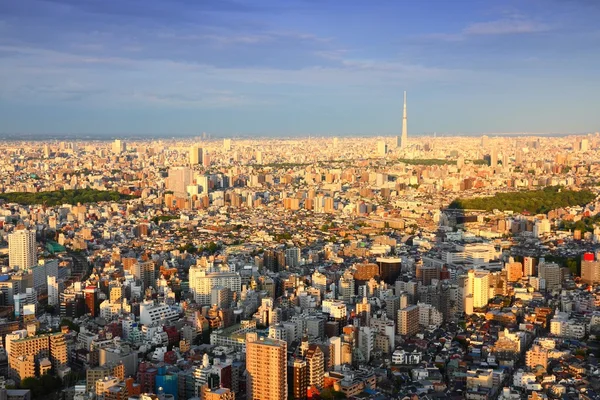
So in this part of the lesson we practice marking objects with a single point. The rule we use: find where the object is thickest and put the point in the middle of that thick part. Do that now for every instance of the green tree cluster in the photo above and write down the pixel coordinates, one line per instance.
(534, 201)
(70, 324)
(573, 264)
(42, 386)
(426, 161)
(584, 225)
(59, 197)
(210, 248)
(283, 236)
(164, 218)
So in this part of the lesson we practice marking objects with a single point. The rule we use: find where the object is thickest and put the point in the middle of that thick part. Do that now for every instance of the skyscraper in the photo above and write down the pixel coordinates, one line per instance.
(195, 155)
(266, 365)
(22, 252)
(381, 148)
(119, 146)
(404, 139)
(178, 180)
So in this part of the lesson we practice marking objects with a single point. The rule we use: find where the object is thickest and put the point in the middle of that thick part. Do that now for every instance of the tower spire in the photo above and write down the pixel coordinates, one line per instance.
(404, 138)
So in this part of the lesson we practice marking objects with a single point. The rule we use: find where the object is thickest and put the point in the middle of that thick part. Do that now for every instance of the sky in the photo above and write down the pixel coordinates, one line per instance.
(298, 67)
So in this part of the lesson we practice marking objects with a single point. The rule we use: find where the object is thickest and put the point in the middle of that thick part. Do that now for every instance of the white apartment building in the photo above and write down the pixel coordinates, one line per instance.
(22, 250)
(203, 280)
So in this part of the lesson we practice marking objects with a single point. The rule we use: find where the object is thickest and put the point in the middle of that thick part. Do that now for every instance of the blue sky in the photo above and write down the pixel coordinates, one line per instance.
(298, 67)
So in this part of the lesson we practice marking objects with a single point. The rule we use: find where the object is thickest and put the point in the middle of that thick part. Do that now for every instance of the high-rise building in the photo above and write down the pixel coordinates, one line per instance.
(178, 180)
(297, 379)
(551, 274)
(205, 158)
(26, 352)
(145, 272)
(346, 286)
(58, 351)
(485, 141)
(22, 250)
(315, 360)
(514, 271)
(479, 287)
(292, 257)
(266, 366)
(381, 148)
(195, 155)
(55, 287)
(404, 138)
(119, 146)
(363, 311)
(389, 269)
(408, 320)
(91, 300)
(366, 341)
(494, 157)
(203, 280)
(590, 269)
(529, 266)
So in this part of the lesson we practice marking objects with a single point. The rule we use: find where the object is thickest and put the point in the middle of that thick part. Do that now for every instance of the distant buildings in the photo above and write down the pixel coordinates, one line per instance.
(119, 146)
(195, 155)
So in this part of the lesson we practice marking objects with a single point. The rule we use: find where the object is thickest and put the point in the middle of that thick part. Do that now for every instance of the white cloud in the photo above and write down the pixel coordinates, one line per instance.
(184, 84)
(506, 27)
(515, 25)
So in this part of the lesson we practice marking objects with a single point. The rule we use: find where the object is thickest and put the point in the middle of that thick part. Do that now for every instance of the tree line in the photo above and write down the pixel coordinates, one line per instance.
(59, 197)
(533, 201)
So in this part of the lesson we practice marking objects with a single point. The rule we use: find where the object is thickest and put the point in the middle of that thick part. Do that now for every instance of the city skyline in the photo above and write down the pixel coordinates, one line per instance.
(269, 69)
(308, 268)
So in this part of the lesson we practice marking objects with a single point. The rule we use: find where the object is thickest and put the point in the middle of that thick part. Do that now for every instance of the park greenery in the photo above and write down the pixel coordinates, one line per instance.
(426, 161)
(586, 224)
(211, 248)
(164, 218)
(42, 386)
(533, 201)
(59, 197)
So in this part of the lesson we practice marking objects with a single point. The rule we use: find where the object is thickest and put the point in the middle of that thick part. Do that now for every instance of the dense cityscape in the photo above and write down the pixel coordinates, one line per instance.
(299, 200)
(364, 268)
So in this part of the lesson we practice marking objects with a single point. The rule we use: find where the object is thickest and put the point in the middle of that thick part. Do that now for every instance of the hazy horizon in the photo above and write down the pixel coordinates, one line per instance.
(141, 136)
